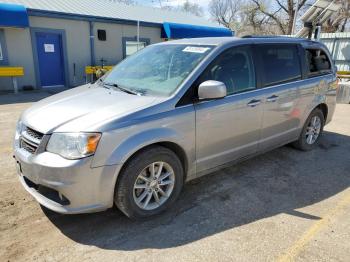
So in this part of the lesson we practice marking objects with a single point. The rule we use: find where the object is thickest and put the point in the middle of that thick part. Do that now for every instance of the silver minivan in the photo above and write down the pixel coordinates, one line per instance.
(170, 113)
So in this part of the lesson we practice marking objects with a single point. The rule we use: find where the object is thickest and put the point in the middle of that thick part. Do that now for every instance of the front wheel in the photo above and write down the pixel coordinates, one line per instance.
(311, 132)
(150, 182)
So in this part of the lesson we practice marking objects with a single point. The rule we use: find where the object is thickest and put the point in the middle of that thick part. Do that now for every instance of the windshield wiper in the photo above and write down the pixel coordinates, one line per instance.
(101, 83)
(123, 89)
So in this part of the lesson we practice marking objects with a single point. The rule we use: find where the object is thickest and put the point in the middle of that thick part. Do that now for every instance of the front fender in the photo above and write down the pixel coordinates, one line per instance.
(176, 126)
(138, 141)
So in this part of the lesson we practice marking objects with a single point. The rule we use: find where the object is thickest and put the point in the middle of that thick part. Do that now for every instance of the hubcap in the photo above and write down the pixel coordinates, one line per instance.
(154, 185)
(313, 130)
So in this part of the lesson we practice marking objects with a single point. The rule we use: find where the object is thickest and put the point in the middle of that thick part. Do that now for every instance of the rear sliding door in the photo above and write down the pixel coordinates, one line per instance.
(281, 74)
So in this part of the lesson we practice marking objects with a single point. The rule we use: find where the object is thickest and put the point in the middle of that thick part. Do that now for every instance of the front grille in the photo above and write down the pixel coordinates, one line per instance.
(33, 133)
(30, 140)
(27, 147)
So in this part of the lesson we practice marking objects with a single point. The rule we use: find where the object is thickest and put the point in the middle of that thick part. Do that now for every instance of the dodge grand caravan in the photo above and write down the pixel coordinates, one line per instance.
(170, 113)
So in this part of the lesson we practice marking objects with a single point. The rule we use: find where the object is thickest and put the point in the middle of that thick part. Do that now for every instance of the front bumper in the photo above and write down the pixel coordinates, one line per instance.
(66, 186)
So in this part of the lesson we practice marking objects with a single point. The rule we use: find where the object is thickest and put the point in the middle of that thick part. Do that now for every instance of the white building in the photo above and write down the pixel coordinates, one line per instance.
(55, 40)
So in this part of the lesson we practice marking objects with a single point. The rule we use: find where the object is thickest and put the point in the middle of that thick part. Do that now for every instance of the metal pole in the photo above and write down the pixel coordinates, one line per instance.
(317, 34)
(295, 17)
(92, 44)
(15, 85)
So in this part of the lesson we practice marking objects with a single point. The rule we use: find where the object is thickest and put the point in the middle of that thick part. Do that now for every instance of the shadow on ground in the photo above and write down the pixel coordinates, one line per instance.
(277, 182)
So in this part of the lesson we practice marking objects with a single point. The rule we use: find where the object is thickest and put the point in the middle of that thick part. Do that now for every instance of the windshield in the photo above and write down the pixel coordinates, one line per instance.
(157, 70)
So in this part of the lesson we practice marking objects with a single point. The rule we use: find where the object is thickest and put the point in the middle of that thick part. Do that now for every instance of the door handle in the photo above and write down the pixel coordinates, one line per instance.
(254, 102)
(272, 98)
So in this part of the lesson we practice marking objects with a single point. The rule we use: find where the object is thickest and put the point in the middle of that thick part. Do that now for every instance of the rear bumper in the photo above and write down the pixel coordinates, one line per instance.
(66, 186)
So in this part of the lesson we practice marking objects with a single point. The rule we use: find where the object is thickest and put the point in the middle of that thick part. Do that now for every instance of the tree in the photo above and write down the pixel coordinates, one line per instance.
(282, 12)
(186, 7)
(126, 2)
(243, 17)
(226, 12)
(340, 20)
(192, 8)
(255, 23)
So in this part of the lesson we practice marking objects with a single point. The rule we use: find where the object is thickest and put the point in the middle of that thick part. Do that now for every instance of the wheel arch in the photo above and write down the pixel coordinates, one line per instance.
(321, 105)
(324, 108)
(164, 137)
(174, 147)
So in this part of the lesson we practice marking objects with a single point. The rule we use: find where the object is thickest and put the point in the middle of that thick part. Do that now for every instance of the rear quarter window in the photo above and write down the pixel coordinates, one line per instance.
(317, 62)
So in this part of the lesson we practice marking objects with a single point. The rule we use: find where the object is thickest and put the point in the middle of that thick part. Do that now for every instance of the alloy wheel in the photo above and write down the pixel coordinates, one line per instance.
(313, 130)
(154, 185)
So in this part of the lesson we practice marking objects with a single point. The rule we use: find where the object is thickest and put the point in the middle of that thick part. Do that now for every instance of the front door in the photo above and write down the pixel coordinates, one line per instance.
(50, 58)
(229, 128)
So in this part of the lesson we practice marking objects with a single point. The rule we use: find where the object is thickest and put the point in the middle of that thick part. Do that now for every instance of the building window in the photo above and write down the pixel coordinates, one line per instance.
(131, 46)
(101, 35)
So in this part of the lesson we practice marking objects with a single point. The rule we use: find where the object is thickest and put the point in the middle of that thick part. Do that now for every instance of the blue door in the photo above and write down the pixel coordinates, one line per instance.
(50, 58)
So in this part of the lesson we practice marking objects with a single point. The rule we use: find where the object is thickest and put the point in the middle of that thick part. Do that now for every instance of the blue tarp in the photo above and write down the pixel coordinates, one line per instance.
(176, 31)
(13, 15)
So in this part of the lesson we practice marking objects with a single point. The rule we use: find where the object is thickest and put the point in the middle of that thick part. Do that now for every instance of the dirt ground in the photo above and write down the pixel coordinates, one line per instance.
(284, 205)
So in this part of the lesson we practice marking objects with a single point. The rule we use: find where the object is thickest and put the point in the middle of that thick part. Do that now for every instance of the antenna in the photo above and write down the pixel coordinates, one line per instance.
(315, 16)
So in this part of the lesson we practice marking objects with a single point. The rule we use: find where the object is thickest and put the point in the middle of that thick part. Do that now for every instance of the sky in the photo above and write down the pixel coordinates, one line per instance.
(202, 3)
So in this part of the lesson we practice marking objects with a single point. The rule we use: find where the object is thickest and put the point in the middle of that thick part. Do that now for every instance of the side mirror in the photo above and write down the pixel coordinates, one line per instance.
(211, 90)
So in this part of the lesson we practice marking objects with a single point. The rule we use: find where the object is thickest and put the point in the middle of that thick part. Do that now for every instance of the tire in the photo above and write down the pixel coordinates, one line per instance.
(303, 143)
(132, 191)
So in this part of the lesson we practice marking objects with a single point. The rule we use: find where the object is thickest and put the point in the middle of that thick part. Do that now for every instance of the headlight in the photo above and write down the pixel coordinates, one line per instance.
(73, 145)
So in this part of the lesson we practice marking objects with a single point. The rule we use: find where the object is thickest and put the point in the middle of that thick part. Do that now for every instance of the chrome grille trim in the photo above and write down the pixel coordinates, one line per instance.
(32, 143)
(28, 137)
(27, 147)
(30, 140)
(34, 134)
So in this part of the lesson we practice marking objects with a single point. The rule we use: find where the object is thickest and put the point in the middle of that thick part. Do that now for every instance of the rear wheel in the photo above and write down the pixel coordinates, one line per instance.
(311, 132)
(150, 182)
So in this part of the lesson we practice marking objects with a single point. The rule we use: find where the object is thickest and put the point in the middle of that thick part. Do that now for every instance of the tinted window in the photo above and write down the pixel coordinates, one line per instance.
(280, 64)
(235, 68)
(317, 62)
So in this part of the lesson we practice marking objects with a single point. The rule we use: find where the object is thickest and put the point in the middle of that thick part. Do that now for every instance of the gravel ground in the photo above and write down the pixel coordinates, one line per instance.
(283, 205)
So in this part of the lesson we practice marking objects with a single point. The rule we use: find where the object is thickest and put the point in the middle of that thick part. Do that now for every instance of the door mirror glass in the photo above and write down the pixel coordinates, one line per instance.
(212, 89)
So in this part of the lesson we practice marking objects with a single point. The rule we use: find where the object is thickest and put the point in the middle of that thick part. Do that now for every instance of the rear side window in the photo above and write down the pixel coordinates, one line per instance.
(317, 62)
(280, 64)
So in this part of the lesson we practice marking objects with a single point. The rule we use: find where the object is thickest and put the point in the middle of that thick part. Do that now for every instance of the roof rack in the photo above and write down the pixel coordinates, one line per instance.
(264, 36)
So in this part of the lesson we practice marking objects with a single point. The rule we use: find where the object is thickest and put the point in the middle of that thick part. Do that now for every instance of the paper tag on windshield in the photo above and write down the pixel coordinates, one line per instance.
(195, 49)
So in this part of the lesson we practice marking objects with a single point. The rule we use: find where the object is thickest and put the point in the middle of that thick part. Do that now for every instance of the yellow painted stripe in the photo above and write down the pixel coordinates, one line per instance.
(11, 71)
(299, 245)
(343, 72)
(92, 69)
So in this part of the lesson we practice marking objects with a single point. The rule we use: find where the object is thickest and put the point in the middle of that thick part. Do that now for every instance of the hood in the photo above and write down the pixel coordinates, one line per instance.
(81, 108)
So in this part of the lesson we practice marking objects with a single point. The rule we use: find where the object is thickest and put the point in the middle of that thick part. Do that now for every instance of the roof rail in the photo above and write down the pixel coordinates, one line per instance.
(263, 36)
